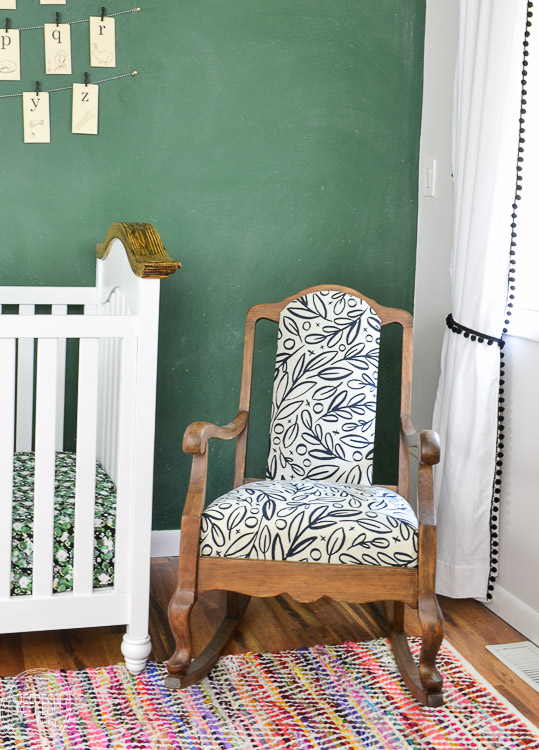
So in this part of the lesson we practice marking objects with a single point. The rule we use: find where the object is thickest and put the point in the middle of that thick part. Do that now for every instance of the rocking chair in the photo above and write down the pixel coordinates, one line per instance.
(316, 526)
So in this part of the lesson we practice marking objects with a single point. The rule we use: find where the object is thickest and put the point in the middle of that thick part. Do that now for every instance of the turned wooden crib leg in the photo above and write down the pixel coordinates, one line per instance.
(136, 644)
(135, 651)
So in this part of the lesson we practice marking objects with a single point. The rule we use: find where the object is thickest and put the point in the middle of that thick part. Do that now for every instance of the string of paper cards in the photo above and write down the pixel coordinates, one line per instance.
(57, 37)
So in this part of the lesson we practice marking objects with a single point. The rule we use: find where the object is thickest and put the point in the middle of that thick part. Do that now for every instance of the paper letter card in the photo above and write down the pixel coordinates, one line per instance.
(36, 118)
(52, 2)
(102, 42)
(10, 55)
(85, 117)
(8, 4)
(57, 49)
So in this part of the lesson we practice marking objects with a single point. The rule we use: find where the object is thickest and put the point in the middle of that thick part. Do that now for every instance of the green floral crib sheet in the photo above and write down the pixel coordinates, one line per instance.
(64, 524)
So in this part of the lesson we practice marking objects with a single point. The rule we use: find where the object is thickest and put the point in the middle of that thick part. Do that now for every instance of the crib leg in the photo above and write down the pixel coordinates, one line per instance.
(136, 652)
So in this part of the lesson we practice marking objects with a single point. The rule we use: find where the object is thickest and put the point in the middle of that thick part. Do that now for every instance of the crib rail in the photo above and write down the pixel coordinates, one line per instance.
(47, 295)
(68, 326)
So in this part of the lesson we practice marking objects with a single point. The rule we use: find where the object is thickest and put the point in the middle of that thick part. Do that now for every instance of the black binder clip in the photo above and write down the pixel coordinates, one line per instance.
(7, 24)
(86, 79)
(37, 88)
(102, 12)
(57, 18)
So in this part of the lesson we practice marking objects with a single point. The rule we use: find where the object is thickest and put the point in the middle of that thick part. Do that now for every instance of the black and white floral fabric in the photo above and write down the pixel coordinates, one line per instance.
(64, 524)
(319, 522)
(324, 396)
(317, 503)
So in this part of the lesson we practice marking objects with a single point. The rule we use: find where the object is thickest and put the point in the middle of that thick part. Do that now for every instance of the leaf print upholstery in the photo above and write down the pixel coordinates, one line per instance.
(304, 521)
(324, 395)
(317, 503)
(64, 524)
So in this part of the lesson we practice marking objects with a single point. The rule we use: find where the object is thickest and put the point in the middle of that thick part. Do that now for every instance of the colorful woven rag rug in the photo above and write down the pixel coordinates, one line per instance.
(325, 698)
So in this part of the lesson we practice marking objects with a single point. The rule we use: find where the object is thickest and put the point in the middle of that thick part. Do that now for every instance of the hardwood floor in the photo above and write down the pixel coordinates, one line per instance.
(274, 624)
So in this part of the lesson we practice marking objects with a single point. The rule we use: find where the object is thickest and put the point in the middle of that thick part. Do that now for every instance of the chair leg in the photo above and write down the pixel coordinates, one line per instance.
(432, 634)
(424, 682)
(183, 672)
(397, 623)
(179, 611)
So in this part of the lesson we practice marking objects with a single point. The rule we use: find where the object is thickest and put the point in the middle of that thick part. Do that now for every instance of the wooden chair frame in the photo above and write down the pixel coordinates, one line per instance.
(307, 582)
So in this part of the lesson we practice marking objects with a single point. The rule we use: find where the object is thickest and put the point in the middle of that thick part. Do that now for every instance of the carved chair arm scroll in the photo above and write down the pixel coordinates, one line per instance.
(195, 439)
(428, 444)
(427, 441)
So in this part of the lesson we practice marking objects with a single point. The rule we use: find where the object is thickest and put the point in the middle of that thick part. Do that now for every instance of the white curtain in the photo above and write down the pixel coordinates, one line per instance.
(485, 144)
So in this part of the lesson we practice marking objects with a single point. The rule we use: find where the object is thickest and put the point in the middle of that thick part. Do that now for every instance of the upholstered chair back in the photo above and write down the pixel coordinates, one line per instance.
(324, 395)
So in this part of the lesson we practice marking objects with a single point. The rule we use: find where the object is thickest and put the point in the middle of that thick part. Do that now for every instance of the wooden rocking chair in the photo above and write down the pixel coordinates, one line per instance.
(316, 526)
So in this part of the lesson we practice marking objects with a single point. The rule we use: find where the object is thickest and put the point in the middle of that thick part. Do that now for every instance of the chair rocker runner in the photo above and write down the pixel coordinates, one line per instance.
(316, 526)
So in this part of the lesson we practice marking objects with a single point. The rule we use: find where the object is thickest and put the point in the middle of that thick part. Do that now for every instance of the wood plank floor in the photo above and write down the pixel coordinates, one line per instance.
(274, 624)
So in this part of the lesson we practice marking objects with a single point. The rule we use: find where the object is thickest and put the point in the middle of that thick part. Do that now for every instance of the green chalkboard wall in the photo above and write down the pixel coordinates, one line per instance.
(273, 144)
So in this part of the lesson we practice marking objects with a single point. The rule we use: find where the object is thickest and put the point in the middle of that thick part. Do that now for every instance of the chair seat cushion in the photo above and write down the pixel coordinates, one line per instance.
(311, 522)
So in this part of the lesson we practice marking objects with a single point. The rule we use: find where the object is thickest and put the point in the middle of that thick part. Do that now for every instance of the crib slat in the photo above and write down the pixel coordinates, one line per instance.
(114, 385)
(47, 367)
(101, 406)
(86, 454)
(107, 404)
(7, 420)
(60, 383)
(25, 387)
(125, 469)
(109, 384)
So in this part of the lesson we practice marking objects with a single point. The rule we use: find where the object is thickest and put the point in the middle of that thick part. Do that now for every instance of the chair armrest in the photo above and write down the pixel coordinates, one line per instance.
(427, 441)
(195, 439)
(428, 444)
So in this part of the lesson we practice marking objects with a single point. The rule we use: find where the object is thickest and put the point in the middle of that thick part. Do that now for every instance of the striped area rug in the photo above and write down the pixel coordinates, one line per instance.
(324, 698)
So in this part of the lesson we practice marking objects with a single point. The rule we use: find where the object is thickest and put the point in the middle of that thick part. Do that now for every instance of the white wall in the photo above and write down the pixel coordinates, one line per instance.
(435, 215)
(516, 594)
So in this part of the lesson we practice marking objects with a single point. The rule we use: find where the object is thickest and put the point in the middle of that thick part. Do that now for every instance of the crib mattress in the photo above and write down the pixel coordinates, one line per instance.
(64, 524)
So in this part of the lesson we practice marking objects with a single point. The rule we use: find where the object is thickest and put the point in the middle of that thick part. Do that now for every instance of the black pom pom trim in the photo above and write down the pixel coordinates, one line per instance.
(497, 481)
(496, 487)
(481, 338)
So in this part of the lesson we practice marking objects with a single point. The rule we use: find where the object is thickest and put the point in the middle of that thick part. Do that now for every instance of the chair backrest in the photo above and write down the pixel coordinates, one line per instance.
(324, 395)
(325, 387)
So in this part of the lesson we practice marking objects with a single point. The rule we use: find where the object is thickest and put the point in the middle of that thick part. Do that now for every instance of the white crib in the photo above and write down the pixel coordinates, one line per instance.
(114, 326)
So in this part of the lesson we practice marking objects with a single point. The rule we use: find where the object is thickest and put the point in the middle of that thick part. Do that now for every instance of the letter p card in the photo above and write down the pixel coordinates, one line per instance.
(10, 55)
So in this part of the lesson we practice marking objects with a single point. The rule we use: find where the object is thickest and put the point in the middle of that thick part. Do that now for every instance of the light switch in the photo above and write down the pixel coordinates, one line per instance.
(429, 179)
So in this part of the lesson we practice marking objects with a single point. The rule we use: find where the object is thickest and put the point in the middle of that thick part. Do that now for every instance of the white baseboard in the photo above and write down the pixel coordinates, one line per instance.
(515, 612)
(165, 543)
